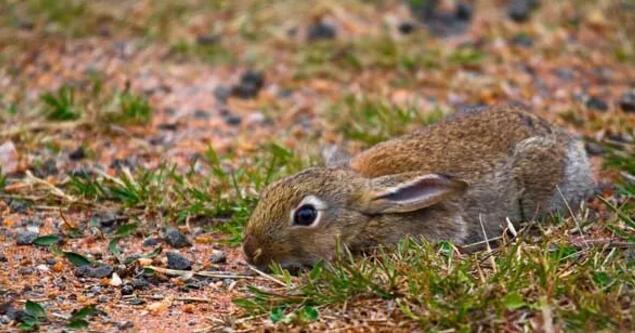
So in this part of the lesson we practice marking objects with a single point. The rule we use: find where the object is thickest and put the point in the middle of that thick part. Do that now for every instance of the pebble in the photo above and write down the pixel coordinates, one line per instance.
(127, 289)
(149, 242)
(42, 268)
(99, 271)
(106, 220)
(320, 31)
(594, 149)
(9, 157)
(201, 114)
(140, 283)
(522, 40)
(627, 101)
(176, 239)
(125, 325)
(26, 270)
(18, 206)
(77, 154)
(218, 257)
(596, 103)
(406, 27)
(249, 85)
(520, 10)
(25, 237)
(207, 40)
(178, 261)
(233, 120)
(51, 261)
(222, 93)
(463, 11)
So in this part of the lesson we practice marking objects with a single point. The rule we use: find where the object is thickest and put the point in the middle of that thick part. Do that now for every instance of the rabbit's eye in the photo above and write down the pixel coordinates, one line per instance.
(305, 215)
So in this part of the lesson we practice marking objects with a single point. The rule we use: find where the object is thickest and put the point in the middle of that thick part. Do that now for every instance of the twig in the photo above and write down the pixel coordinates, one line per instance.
(182, 273)
(15, 130)
(54, 190)
(267, 276)
(575, 219)
(489, 248)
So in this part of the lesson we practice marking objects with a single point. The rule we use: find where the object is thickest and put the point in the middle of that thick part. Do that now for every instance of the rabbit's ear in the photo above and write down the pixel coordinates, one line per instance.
(407, 192)
(334, 156)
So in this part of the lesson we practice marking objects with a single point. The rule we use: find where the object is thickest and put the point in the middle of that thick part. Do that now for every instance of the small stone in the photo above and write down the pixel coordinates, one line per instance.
(127, 290)
(218, 257)
(519, 10)
(3, 258)
(77, 154)
(125, 325)
(18, 206)
(26, 270)
(107, 220)
(178, 261)
(169, 126)
(95, 289)
(250, 84)
(140, 283)
(42, 268)
(627, 101)
(201, 114)
(522, 40)
(149, 242)
(596, 103)
(594, 149)
(98, 272)
(406, 27)
(233, 120)
(320, 31)
(115, 280)
(25, 237)
(176, 239)
(463, 11)
(207, 40)
(51, 261)
(9, 157)
(222, 93)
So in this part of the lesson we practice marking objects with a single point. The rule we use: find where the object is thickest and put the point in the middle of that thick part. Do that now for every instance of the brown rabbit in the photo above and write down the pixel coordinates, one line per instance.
(449, 181)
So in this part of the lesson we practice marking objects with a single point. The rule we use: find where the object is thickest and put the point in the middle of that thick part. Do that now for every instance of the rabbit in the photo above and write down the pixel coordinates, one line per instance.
(459, 180)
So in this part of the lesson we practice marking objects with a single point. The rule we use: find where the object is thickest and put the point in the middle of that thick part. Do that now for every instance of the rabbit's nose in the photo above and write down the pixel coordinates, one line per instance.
(251, 251)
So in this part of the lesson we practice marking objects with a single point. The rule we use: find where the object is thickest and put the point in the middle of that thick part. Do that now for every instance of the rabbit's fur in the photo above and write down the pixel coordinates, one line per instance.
(450, 181)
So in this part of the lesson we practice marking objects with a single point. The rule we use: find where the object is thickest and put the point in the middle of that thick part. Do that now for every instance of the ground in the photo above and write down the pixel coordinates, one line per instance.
(128, 125)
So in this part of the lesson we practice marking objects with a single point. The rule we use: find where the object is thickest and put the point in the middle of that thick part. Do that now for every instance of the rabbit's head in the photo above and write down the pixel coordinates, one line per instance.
(302, 218)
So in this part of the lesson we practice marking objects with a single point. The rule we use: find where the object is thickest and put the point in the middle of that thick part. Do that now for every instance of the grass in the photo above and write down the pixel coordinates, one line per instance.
(222, 193)
(61, 105)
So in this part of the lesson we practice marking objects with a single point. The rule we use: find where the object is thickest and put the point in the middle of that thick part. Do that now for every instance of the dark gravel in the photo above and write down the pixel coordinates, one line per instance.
(176, 239)
(127, 289)
(77, 154)
(218, 257)
(520, 10)
(320, 31)
(25, 237)
(627, 101)
(18, 206)
(178, 261)
(249, 85)
(406, 27)
(98, 272)
(596, 103)
(149, 242)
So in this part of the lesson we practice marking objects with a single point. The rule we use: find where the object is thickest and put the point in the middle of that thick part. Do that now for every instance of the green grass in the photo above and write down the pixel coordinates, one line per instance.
(131, 109)
(224, 194)
(61, 105)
